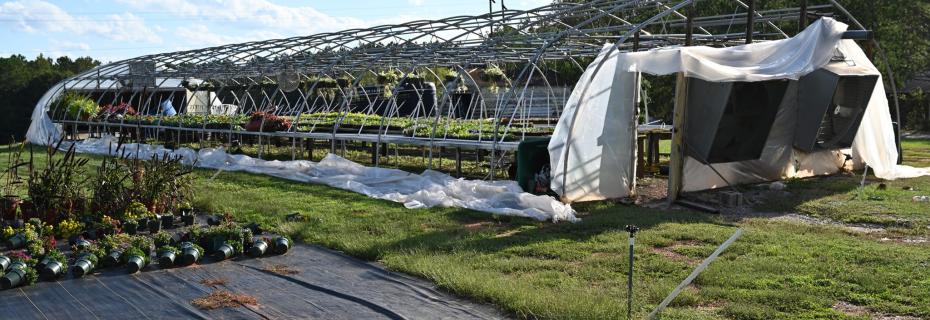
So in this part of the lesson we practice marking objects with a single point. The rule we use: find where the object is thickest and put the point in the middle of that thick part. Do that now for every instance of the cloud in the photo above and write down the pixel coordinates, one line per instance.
(416, 2)
(200, 35)
(40, 16)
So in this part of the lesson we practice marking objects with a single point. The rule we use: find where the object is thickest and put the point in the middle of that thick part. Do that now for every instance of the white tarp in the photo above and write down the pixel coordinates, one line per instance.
(783, 59)
(429, 189)
(598, 122)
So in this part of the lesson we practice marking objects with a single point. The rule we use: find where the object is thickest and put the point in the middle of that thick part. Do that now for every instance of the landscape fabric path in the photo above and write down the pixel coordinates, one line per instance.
(309, 282)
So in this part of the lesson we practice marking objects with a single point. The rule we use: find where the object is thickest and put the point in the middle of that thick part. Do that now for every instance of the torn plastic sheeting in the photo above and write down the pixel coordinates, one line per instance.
(429, 189)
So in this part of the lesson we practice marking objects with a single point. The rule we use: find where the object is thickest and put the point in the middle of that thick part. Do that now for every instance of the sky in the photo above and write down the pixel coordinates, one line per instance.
(118, 29)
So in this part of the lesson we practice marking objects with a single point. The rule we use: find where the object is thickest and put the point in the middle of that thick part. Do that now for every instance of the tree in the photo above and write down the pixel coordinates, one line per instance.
(22, 84)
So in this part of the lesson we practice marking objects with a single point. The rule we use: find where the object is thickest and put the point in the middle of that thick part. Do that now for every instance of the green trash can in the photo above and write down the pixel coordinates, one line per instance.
(533, 165)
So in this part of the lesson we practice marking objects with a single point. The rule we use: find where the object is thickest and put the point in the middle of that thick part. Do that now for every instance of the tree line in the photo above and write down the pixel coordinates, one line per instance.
(24, 81)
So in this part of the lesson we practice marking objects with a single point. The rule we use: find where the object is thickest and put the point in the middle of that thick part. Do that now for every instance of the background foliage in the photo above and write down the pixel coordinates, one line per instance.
(23, 82)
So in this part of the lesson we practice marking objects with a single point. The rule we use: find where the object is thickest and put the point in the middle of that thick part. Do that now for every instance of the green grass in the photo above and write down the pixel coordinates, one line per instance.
(885, 203)
(777, 270)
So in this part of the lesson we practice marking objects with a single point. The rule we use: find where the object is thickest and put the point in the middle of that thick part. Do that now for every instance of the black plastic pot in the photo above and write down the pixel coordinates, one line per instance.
(186, 212)
(281, 245)
(16, 241)
(166, 258)
(4, 263)
(214, 220)
(188, 220)
(131, 228)
(225, 251)
(112, 259)
(135, 263)
(12, 279)
(154, 226)
(82, 267)
(52, 269)
(189, 256)
(258, 248)
(82, 245)
(143, 224)
(167, 221)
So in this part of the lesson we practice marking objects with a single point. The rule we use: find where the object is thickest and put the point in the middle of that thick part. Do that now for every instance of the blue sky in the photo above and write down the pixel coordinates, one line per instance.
(117, 29)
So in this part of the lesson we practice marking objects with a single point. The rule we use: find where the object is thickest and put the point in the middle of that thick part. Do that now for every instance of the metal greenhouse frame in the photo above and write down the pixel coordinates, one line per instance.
(422, 84)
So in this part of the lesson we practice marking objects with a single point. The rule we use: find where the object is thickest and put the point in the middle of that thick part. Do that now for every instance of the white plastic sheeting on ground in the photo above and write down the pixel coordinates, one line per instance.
(429, 189)
(599, 129)
(783, 59)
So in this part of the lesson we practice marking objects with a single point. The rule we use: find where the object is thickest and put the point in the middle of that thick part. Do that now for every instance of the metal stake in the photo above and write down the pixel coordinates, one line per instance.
(629, 278)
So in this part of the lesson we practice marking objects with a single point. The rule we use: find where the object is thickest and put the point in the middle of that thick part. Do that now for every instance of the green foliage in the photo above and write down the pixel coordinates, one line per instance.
(78, 106)
(167, 248)
(55, 255)
(162, 239)
(24, 81)
(59, 186)
(139, 253)
(161, 182)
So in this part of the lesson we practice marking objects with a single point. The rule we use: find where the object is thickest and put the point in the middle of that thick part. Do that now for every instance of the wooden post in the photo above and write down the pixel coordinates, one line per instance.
(802, 20)
(750, 20)
(677, 163)
(458, 162)
(689, 32)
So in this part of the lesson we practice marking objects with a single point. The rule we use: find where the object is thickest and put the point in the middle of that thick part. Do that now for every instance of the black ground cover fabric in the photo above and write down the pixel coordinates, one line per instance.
(327, 285)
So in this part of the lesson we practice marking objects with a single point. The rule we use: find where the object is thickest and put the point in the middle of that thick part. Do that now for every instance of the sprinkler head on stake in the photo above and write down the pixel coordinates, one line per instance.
(631, 229)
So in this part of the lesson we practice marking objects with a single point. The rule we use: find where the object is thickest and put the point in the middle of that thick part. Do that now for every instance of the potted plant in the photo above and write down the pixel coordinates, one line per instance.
(17, 241)
(259, 247)
(136, 259)
(53, 265)
(20, 271)
(113, 247)
(167, 221)
(166, 256)
(229, 249)
(84, 264)
(282, 244)
(214, 220)
(138, 213)
(154, 224)
(162, 239)
(4, 263)
(190, 253)
(188, 219)
(131, 226)
(109, 226)
(10, 201)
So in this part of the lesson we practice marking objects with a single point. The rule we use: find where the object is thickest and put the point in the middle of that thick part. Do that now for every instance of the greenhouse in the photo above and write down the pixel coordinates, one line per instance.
(459, 95)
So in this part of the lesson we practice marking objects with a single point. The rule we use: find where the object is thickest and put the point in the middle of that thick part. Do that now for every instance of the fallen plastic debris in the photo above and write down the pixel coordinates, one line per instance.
(778, 186)
(921, 198)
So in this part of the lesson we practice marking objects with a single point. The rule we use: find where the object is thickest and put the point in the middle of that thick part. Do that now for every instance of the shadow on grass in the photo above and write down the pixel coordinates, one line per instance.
(489, 234)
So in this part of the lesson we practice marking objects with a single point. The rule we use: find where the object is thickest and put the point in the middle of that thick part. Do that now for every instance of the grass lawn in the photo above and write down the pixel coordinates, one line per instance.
(778, 269)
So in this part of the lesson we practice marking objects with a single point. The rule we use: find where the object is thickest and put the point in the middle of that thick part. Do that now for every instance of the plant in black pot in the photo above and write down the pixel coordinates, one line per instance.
(54, 265)
(162, 239)
(259, 247)
(139, 213)
(135, 259)
(282, 244)
(114, 246)
(20, 272)
(131, 226)
(4, 263)
(229, 249)
(84, 263)
(190, 253)
(167, 221)
(154, 224)
(167, 255)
